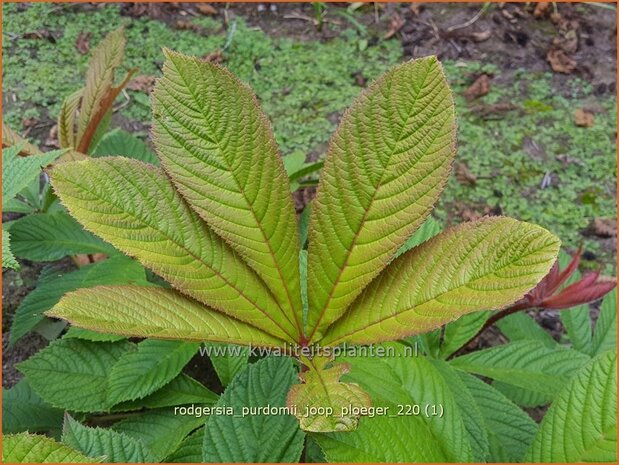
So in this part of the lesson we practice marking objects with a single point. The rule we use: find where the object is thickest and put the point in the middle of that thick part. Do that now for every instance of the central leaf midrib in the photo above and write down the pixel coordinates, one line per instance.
(437, 296)
(241, 191)
(192, 255)
(323, 311)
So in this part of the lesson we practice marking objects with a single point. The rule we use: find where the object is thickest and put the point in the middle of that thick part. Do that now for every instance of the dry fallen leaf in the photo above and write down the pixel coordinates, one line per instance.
(415, 8)
(583, 118)
(479, 88)
(480, 36)
(541, 9)
(464, 175)
(52, 137)
(82, 43)
(396, 23)
(206, 9)
(142, 84)
(560, 62)
(604, 227)
(214, 57)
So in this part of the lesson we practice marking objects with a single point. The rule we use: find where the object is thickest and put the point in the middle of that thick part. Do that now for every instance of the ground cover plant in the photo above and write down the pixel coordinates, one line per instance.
(365, 265)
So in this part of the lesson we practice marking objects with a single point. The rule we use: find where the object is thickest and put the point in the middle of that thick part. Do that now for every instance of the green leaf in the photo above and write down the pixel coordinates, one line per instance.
(321, 388)
(577, 320)
(8, 259)
(527, 364)
(510, 430)
(521, 327)
(134, 206)
(53, 284)
(18, 172)
(23, 410)
(161, 431)
(112, 446)
(154, 364)
(427, 230)
(581, 424)
(471, 413)
(218, 147)
(32, 448)
(182, 390)
(481, 265)
(119, 142)
(459, 332)
(521, 396)
(190, 449)
(88, 335)
(255, 437)
(385, 168)
(605, 335)
(74, 374)
(140, 311)
(66, 120)
(47, 237)
(106, 57)
(402, 434)
(227, 360)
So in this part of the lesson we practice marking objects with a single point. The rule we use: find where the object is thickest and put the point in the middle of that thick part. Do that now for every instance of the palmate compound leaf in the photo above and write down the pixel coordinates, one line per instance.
(481, 265)
(218, 148)
(154, 312)
(135, 207)
(385, 168)
(34, 448)
(322, 389)
(581, 424)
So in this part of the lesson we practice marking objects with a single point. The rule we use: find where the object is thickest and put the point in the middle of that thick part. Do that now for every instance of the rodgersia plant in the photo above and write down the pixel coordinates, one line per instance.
(217, 222)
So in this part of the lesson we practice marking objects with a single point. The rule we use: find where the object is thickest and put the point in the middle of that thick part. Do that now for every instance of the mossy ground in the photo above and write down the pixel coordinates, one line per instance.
(304, 85)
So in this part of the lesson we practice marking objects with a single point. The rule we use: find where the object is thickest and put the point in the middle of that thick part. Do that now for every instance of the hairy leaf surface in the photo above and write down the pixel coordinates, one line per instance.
(11, 138)
(385, 168)
(255, 437)
(481, 265)
(220, 152)
(154, 312)
(154, 364)
(33, 448)
(581, 424)
(134, 206)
